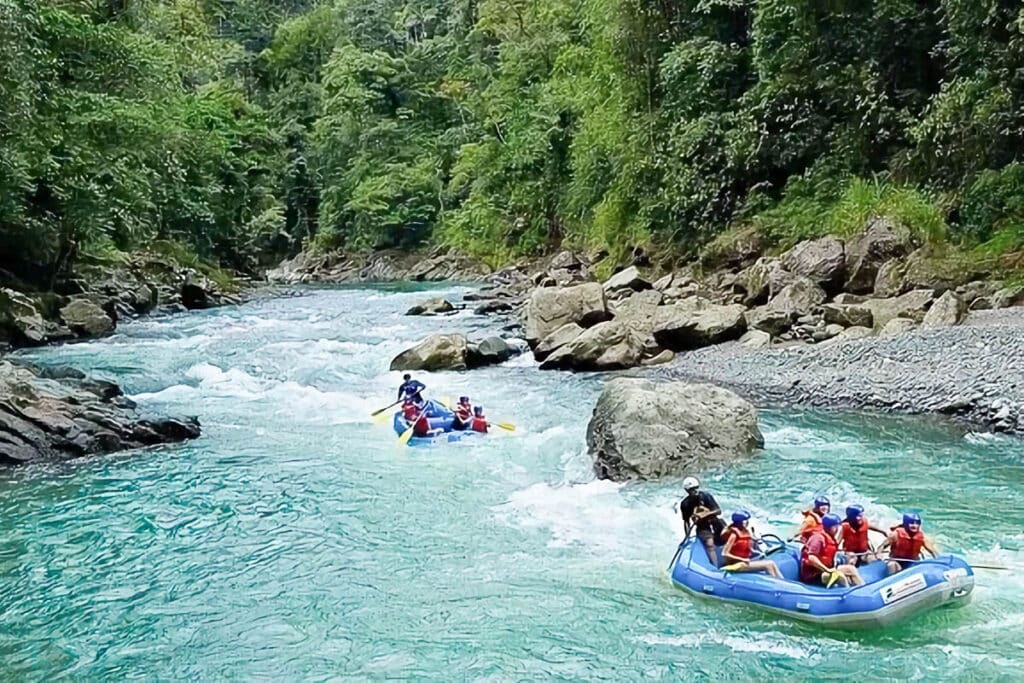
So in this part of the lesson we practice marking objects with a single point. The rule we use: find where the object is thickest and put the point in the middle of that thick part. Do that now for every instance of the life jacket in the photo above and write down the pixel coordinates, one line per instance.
(744, 542)
(809, 572)
(906, 546)
(463, 412)
(856, 540)
(479, 424)
(410, 412)
(811, 524)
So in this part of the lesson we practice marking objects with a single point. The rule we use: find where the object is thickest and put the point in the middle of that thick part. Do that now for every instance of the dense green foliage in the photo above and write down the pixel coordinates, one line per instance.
(247, 128)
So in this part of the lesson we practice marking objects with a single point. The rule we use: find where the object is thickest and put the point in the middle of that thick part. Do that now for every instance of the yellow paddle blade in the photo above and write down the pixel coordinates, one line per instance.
(406, 435)
(832, 579)
(505, 425)
(381, 418)
(732, 567)
(445, 401)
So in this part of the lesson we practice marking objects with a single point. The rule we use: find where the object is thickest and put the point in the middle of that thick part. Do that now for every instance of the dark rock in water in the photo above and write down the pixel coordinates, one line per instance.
(47, 418)
(644, 430)
(434, 306)
(195, 294)
(490, 351)
(495, 306)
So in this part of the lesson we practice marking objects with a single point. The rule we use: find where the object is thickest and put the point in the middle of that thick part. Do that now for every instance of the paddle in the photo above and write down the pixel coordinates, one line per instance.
(389, 407)
(407, 434)
(507, 426)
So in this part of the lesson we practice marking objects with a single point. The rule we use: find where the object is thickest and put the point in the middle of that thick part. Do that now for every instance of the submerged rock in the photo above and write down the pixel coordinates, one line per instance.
(435, 306)
(46, 418)
(644, 430)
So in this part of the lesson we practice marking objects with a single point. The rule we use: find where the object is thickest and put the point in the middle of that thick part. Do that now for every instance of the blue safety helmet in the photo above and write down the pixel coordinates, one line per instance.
(478, 410)
(831, 520)
(463, 399)
(911, 518)
(853, 512)
(740, 516)
(821, 501)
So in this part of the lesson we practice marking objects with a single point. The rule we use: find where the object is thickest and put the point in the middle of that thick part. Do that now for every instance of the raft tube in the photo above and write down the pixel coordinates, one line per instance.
(438, 417)
(883, 600)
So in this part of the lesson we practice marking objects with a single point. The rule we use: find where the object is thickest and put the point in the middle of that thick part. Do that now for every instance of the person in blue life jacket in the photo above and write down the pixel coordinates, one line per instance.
(411, 390)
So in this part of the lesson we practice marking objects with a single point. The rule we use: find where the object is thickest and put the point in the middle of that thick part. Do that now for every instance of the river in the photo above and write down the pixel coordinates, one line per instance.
(296, 541)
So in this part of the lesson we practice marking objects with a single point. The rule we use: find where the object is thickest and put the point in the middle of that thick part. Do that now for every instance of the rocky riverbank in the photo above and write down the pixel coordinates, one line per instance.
(59, 413)
(973, 372)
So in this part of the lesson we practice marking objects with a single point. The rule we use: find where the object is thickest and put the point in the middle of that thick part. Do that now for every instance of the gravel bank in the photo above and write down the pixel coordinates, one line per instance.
(974, 372)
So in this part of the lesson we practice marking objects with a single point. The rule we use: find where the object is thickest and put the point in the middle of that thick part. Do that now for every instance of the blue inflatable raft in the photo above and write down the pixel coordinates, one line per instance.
(439, 418)
(882, 601)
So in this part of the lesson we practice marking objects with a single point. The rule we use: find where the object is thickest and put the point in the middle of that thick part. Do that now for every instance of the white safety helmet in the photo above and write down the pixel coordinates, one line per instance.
(690, 483)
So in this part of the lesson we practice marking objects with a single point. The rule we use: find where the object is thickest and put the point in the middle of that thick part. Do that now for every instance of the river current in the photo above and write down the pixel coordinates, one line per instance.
(297, 541)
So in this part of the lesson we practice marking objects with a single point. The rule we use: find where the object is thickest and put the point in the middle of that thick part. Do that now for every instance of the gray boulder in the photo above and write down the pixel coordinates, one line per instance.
(848, 315)
(490, 351)
(435, 306)
(86, 319)
(948, 309)
(823, 261)
(881, 241)
(692, 324)
(1006, 297)
(896, 326)
(758, 280)
(625, 281)
(664, 356)
(611, 345)
(767, 319)
(756, 339)
(912, 305)
(20, 319)
(552, 307)
(557, 339)
(889, 281)
(436, 352)
(846, 299)
(644, 430)
(799, 298)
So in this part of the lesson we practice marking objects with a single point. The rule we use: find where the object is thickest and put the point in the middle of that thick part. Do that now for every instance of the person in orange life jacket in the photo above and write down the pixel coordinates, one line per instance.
(699, 510)
(812, 517)
(906, 542)
(818, 557)
(463, 414)
(411, 411)
(854, 537)
(739, 544)
(479, 420)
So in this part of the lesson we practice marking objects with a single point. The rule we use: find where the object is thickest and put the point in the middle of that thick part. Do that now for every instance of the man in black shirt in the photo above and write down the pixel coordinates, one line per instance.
(699, 510)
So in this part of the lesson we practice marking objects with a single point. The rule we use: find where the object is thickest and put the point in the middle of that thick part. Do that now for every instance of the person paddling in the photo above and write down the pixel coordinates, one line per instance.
(813, 517)
(854, 536)
(479, 420)
(739, 544)
(699, 510)
(818, 557)
(411, 389)
(906, 542)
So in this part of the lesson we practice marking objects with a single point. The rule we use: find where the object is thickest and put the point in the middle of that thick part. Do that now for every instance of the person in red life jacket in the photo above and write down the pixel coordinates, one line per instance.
(812, 517)
(479, 420)
(739, 545)
(463, 414)
(413, 412)
(855, 544)
(818, 557)
(906, 542)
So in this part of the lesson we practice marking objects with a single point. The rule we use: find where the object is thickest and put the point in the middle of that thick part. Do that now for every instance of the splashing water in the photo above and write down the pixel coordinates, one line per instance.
(296, 540)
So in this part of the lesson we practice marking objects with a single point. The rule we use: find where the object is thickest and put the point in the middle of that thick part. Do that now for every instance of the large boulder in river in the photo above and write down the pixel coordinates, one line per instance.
(611, 345)
(435, 306)
(87, 319)
(436, 352)
(51, 419)
(644, 430)
(693, 323)
(552, 307)
(881, 241)
(557, 339)
(491, 351)
(823, 261)
(20, 318)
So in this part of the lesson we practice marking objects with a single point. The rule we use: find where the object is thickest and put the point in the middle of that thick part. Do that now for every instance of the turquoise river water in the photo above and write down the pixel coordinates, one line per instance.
(296, 541)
